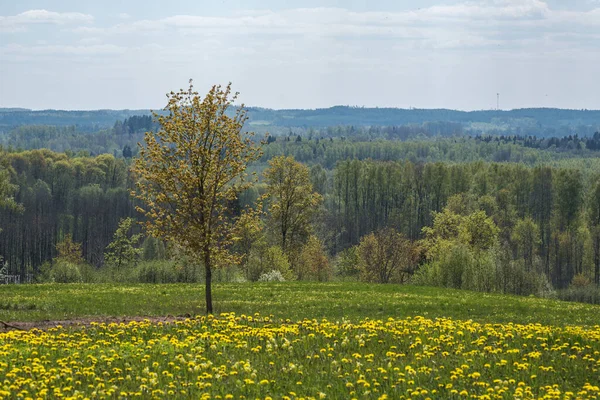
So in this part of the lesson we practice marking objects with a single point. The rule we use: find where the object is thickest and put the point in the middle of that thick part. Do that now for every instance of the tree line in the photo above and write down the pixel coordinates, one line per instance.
(556, 210)
(426, 142)
(186, 208)
(537, 121)
(572, 143)
(86, 197)
(81, 197)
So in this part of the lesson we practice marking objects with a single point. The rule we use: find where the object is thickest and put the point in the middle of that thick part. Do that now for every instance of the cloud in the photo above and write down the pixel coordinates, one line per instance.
(20, 22)
(51, 50)
(457, 53)
(469, 19)
(323, 33)
(90, 41)
(506, 9)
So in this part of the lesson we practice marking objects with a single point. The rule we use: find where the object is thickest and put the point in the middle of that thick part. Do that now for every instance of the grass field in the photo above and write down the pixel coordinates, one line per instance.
(293, 300)
(298, 340)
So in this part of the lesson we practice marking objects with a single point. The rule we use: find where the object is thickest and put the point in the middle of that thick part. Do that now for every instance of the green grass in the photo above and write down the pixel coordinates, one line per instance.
(293, 300)
(342, 340)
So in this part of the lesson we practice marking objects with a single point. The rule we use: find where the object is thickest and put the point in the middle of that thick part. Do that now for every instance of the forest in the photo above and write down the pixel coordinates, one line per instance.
(427, 142)
(489, 201)
(495, 213)
(543, 122)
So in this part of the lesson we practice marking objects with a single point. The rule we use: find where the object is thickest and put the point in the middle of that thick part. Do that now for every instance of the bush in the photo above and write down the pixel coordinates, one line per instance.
(89, 274)
(186, 270)
(479, 274)
(65, 272)
(347, 263)
(272, 276)
(386, 256)
(230, 273)
(490, 271)
(580, 281)
(312, 262)
(448, 272)
(584, 294)
(238, 279)
(156, 272)
(112, 274)
(515, 277)
(263, 259)
(43, 274)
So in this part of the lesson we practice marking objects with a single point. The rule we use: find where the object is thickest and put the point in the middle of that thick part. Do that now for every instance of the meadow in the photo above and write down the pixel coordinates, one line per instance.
(293, 300)
(296, 340)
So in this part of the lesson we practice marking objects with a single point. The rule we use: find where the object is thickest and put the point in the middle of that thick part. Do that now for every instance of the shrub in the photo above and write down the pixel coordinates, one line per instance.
(313, 263)
(488, 271)
(263, 259)
(155, 272)
(89, 274)
(455, 266)
(386, 256)
(347, 263)
(580, 281)
(186, 270)
(230, 273)
(272, 276)
(585, 294)
(44, 273)
(64, 271)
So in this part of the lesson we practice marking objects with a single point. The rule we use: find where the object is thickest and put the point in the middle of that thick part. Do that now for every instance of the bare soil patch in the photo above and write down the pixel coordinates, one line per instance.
(84, 322)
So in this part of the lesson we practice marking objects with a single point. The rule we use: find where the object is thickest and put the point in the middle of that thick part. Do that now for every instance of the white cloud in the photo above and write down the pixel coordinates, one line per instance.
(469, 19)
(20, 22)
(51, 50)
(505, 9)
(444, 55)
(484, 24)
(90, 41)
(89, 30)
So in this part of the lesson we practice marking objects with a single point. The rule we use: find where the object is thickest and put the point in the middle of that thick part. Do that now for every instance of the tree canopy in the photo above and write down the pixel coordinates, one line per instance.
(191, 170)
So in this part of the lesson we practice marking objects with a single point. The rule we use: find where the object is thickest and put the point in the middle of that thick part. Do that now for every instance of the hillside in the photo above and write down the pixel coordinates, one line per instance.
(529, 118)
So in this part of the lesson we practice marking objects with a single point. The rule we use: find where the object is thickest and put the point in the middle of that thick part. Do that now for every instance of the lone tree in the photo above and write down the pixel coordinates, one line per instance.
(191, 170)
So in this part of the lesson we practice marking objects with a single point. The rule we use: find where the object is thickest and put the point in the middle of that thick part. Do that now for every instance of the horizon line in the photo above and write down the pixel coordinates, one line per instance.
(17, 109)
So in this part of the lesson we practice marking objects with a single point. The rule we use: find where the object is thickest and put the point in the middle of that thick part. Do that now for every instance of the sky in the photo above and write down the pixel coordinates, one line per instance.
(72, 54)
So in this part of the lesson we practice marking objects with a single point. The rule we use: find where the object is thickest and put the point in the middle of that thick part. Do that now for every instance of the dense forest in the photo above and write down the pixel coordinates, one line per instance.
(529, 121)
(462, 221)
(504, 201)
(427, 142)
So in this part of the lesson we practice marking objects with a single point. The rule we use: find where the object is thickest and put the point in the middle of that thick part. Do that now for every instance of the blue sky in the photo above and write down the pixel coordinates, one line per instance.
(302, 54)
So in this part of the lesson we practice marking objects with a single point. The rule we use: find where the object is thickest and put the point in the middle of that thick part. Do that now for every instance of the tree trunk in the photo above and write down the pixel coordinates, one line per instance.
(283, 239)
(597, 260)
(208, 282)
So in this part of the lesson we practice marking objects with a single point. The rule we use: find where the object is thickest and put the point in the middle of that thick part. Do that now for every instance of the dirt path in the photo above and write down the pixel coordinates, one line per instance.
(83, 322)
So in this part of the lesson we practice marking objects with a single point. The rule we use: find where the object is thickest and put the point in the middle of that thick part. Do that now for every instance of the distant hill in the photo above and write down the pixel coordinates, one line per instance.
(528, 118)
(85, 120)
(342, 115)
